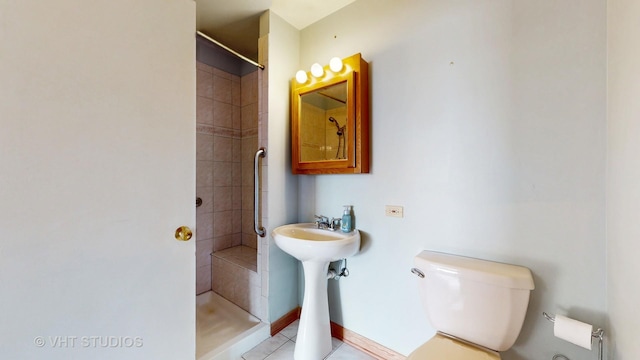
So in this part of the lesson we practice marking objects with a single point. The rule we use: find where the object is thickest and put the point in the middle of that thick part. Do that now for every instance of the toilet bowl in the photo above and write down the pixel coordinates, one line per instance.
(476, 306)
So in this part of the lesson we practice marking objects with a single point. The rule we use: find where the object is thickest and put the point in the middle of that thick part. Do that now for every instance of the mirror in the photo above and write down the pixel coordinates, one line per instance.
(323, 132)
(330, 121)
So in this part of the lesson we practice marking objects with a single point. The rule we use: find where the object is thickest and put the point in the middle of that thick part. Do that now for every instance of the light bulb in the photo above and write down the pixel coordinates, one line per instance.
(301, 76)
(335, 64)
(317, 70)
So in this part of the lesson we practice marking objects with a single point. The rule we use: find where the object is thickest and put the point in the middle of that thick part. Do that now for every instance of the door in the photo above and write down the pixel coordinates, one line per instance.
(97, 170)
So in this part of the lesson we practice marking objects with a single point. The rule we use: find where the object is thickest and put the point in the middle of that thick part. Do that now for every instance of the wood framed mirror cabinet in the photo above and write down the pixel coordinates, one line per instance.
(330, 118)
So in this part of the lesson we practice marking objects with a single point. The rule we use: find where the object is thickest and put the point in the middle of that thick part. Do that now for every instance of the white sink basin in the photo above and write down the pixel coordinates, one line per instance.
(306, 242)
(315, 248)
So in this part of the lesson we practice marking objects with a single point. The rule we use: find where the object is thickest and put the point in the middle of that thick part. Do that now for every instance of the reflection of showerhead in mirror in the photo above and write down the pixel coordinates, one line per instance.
(340, 129)
(341, 137)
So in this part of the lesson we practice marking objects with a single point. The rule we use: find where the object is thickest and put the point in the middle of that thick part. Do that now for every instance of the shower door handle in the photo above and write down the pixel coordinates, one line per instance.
(262, 152)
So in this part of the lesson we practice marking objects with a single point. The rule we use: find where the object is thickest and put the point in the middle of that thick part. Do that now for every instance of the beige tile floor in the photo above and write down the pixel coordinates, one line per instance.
(281, 346)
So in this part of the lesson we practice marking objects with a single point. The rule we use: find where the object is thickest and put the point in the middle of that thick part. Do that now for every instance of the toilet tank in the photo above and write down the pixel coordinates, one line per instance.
(480, 301)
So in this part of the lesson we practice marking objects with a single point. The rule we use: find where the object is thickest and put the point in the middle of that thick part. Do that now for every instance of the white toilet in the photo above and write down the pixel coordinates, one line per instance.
(476, 306)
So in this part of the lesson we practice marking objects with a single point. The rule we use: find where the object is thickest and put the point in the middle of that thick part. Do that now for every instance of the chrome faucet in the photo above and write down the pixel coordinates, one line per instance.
(323, 222)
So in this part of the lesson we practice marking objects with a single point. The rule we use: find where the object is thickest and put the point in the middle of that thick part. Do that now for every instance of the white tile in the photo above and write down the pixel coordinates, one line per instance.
(265, 283)
(348, 352)
(265, 307)
(285, 352)
(291, 331)
(282, 346)
(265, 348)
(335, 343)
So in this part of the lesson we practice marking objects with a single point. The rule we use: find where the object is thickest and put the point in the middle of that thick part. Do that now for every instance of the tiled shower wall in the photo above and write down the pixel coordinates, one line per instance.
(249, 127)
(227, 138)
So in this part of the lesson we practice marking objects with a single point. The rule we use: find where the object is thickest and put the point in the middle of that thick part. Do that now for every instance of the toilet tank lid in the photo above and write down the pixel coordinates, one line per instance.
(490, 272)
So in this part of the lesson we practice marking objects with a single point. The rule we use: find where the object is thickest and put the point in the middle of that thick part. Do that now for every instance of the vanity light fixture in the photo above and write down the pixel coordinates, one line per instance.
(335, 64)
(317, 70)
(301, 76)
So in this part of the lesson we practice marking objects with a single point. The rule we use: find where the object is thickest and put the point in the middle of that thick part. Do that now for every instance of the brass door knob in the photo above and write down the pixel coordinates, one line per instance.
(183, 233)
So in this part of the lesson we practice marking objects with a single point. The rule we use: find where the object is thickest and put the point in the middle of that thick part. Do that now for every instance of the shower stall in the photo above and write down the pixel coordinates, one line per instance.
(229, 281)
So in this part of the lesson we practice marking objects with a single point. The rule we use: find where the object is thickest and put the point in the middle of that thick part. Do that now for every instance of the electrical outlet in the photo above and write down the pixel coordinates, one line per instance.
(393, 211)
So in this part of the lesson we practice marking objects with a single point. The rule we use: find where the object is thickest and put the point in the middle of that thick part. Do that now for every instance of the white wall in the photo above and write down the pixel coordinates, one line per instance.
(488, 126)
(623, 178)
(97, 144)
(283, 50)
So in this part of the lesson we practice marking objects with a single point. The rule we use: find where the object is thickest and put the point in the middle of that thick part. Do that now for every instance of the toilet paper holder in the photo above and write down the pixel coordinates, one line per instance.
(597, 334)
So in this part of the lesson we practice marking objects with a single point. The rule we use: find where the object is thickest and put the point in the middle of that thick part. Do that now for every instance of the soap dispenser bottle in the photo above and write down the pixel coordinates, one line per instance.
(345, 224)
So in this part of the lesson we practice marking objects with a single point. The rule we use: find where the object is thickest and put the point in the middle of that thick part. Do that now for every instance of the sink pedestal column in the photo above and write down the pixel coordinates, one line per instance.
(314, 331)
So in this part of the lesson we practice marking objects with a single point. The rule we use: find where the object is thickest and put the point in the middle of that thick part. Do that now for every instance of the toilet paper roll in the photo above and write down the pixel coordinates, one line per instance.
(573, 331)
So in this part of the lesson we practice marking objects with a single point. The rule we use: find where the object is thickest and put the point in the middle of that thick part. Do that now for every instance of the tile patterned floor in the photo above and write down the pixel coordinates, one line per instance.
(281, 345)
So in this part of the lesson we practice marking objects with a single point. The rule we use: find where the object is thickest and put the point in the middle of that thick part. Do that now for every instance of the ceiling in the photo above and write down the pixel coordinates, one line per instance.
(236, 23)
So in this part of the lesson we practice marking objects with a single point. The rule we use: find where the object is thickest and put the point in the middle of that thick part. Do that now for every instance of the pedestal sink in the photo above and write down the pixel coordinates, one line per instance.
(315, 248)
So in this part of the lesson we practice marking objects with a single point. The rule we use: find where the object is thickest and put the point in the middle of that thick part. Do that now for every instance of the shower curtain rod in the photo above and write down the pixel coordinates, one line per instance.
(230, 50)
